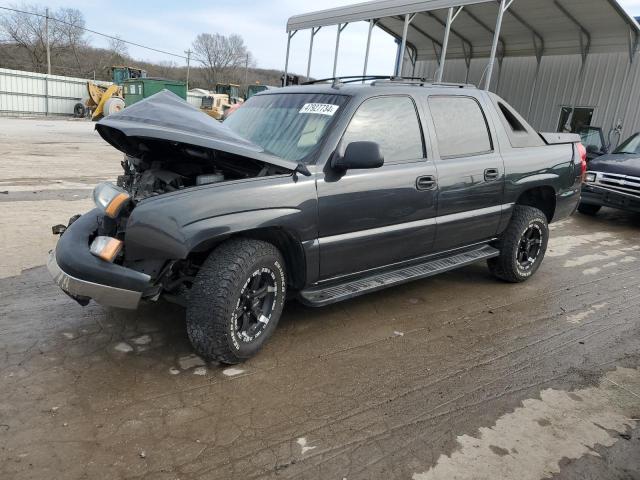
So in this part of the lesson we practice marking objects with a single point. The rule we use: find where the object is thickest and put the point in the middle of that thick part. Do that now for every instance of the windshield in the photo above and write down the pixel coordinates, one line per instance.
(631, 145)
(591, 136)
(288, 125)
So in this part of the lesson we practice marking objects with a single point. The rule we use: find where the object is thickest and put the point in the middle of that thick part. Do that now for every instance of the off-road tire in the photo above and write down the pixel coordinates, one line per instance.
(588, 209)
(216, 290)
(506, 266)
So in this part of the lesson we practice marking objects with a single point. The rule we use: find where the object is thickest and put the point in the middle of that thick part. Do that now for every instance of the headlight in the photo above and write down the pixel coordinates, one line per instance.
(110, 198)
(590, 177)
(106, 248)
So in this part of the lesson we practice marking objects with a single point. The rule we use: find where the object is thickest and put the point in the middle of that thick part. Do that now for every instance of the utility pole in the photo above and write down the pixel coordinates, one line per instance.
(188, 52)
(46, 34)
(46, 79)
(246, 71)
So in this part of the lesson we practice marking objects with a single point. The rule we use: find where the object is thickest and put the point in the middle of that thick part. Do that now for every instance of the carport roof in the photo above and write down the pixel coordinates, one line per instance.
(530, 27)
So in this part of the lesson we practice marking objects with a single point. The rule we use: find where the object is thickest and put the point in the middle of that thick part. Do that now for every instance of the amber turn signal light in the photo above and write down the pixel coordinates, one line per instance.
(106, 248)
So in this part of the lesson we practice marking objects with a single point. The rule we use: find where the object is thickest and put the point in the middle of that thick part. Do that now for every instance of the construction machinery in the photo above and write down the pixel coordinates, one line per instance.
(105, 100)
(231, 90)
(215, 104)
(256, 88)
(226, 96)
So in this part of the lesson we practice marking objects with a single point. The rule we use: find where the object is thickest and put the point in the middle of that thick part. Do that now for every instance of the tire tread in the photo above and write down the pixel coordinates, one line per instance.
(212, 293)
(503, 266)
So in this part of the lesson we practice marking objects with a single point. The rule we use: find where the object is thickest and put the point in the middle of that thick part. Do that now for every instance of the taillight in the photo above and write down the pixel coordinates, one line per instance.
(583, 159)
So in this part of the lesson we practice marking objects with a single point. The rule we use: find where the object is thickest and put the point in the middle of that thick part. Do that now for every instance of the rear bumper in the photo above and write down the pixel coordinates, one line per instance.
(83, 276)
(593, 195)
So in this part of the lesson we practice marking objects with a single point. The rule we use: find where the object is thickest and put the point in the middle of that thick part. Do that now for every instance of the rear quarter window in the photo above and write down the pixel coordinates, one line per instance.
(460, 126)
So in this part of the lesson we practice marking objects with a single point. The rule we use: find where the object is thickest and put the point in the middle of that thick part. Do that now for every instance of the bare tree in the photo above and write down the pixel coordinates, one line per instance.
(69, 27)
(28, 32)
(220, 56)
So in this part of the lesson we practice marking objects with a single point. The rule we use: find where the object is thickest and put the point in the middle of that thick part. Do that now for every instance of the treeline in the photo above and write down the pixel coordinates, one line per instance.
(96, 62)
(216, 58)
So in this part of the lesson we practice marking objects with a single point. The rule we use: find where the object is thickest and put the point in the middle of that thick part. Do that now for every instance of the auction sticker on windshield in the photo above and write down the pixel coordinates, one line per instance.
(320, 108)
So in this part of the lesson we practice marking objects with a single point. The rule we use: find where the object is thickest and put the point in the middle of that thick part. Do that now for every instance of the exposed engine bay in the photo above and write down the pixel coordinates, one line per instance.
(168, 167)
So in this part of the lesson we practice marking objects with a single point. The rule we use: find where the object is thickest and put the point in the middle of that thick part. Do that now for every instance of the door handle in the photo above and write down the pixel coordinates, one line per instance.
(426, 182)
(491, 174)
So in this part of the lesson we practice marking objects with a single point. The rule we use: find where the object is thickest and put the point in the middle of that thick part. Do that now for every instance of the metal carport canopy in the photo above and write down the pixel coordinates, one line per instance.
(529, 27)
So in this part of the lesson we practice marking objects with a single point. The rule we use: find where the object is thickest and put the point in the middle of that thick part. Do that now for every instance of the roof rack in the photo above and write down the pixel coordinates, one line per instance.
(423, 83)
(359, 78)
(386, 80)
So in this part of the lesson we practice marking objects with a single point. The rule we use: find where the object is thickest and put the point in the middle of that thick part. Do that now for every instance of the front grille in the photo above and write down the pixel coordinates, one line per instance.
(618, 183)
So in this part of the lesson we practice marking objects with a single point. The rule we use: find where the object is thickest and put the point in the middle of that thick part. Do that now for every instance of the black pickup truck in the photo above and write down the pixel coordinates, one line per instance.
(319, 192)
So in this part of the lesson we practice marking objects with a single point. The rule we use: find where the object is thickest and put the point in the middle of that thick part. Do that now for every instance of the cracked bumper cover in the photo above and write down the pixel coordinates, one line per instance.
(83, 276)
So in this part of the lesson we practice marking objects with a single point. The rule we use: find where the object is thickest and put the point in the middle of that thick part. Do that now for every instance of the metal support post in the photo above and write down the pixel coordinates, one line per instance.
(445, 43)
(285, 80)
(314, 31)
(372, 23)
(341, 27)
(403, 44)
(504, 5)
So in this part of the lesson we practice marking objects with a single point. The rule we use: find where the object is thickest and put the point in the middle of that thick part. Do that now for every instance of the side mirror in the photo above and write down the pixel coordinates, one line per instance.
(593, 149)
(359, 155)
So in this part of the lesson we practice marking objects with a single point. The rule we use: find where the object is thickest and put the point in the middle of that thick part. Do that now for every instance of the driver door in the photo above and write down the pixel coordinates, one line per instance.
(376, 217)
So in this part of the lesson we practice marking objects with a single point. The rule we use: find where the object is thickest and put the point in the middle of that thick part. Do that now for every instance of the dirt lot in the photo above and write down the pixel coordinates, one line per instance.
(458, 376)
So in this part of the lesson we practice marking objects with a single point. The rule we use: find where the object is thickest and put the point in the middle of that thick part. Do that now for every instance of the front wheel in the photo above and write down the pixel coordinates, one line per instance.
(522, 245)
(236, 300)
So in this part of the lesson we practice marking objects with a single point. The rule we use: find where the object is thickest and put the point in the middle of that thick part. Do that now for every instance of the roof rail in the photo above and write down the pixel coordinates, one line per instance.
(386, 80)
(359, 78)
(423, 83)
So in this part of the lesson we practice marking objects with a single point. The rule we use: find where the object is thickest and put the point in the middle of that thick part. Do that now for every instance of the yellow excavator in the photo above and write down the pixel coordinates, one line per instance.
(105, 100)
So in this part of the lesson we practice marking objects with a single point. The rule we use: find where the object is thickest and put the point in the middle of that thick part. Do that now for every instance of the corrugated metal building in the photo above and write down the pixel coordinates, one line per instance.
(559, 62)
(609, 88)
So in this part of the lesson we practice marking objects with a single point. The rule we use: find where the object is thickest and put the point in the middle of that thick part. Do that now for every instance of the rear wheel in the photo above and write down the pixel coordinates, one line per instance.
(236, 300)
(522, 245)
(589, 209)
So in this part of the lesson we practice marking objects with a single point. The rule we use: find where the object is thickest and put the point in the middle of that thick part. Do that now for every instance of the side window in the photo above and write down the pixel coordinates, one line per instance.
(392, 122)
(511, 119)
(460, 126)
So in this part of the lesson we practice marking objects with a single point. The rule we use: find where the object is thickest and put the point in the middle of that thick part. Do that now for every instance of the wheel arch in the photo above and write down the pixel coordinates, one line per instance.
(542, 197)
(284, 240)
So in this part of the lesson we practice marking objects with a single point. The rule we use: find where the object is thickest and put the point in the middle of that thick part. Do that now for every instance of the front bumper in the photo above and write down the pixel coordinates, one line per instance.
(82, 290)
(83, 276)
(594, 195)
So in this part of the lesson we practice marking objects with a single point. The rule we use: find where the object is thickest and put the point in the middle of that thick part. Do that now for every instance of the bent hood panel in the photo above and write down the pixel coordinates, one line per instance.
(165, 116)
(621, 164)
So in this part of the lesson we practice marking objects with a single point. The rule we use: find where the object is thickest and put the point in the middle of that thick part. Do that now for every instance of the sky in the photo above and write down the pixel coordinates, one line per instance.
(172, 26)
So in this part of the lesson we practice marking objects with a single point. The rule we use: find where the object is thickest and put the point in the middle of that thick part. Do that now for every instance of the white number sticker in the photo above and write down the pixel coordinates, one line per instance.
(319, 108)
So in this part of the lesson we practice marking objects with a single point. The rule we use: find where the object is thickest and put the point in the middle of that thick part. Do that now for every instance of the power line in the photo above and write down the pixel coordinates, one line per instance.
(95, 32)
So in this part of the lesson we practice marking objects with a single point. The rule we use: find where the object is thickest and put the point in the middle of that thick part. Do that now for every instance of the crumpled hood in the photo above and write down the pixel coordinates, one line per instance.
(165, 116)
(620, 163)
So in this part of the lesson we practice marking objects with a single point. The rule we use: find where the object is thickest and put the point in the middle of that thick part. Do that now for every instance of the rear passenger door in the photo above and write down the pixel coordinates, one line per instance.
(470, 172)
(376, 217)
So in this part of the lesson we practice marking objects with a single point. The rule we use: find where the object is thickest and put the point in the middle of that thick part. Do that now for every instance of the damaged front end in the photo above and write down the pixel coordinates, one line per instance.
(170, 147)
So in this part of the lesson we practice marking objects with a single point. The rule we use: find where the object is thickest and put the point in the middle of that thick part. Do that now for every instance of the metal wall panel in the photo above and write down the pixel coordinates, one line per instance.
(29, 93)
(609, 83)
(194, 99)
